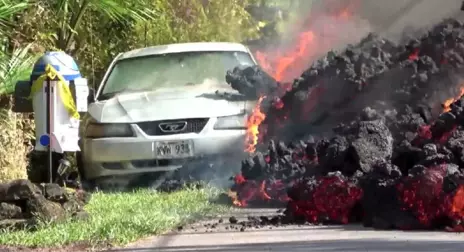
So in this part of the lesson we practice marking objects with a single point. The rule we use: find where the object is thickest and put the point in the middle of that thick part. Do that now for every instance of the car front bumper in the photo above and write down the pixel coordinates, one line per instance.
(106, 157)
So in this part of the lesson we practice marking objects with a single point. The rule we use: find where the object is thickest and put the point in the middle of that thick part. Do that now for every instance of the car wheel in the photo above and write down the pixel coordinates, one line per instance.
(86, 184)
(80, 166)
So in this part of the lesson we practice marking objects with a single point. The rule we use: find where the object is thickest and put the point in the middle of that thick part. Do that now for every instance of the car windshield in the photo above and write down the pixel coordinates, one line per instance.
(171, 70)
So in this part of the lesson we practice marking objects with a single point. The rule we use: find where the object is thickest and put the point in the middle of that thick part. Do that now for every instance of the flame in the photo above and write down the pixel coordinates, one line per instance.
(279, 68)
(285, 64)
(234, 197)
(448, 102)
(252, 124)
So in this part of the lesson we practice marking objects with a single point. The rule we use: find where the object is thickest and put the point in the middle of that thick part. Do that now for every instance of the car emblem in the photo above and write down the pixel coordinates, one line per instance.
(172, 127)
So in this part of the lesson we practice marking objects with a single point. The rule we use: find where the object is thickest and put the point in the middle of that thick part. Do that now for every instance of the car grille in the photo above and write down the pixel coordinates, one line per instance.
(194, 125)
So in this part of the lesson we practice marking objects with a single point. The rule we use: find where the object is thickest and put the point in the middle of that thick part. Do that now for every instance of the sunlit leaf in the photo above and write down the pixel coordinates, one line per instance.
(14, 67)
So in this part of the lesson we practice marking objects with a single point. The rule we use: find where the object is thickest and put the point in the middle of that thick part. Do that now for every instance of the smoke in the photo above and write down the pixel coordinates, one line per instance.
(311, 29)
(213, 171)
(411, 15)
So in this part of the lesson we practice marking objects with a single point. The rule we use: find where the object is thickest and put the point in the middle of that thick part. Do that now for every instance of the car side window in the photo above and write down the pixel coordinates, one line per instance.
(244, 59)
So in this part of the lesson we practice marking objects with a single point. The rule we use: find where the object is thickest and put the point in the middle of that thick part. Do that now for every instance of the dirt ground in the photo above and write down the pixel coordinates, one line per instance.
(78, 247)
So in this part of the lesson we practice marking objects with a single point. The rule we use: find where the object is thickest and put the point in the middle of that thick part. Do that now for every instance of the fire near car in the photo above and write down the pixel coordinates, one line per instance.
(160, 107)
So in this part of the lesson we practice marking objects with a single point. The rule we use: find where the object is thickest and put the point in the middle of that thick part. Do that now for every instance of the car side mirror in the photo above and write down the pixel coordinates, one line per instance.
(91, 97)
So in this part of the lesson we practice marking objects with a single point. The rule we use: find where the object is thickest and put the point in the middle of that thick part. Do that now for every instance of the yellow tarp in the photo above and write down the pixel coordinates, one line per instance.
(63, 89)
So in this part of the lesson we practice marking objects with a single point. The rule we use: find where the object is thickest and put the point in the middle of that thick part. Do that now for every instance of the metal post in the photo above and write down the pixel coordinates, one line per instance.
(48, 119)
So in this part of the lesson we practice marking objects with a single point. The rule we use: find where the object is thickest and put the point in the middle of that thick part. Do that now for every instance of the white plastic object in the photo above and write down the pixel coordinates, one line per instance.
(81, 94)
(64, 128)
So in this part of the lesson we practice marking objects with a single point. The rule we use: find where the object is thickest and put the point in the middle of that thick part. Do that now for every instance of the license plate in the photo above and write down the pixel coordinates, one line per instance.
(174, 149)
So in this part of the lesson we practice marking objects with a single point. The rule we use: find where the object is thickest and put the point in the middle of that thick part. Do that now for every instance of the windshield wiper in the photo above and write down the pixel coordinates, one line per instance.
(110, 95)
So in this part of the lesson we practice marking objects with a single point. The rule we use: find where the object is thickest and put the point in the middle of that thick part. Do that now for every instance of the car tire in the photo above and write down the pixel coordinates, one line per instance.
(80, 166)
(86, 184)
(96, 184)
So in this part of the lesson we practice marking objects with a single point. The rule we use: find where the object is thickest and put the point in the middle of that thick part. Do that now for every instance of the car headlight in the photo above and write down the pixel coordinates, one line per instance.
(101, 130)
(231, 122)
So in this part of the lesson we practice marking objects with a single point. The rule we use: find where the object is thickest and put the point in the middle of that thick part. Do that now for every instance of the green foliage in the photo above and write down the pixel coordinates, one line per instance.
(8, 8)
(14, 62)
(14, 67)
(214, 20)
(68, 16)
(121, 218)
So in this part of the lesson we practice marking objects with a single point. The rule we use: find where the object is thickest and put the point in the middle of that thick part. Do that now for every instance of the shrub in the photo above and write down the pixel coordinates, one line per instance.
(16, 133)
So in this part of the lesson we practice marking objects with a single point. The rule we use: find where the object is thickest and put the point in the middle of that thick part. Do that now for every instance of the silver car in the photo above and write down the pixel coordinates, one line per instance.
(161, 107)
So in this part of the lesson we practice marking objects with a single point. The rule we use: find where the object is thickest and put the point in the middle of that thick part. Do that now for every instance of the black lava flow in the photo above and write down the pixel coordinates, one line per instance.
(393, 154)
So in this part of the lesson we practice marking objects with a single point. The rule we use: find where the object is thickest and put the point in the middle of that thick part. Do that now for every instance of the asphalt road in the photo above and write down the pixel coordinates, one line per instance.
(390, 18)
(202, 237)
(360, 245)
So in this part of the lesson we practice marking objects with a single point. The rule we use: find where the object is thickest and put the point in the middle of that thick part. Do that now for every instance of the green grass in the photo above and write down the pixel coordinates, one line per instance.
(121, 218)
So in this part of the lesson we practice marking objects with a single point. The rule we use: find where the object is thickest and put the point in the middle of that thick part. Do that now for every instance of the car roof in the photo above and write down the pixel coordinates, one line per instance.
(184, 47)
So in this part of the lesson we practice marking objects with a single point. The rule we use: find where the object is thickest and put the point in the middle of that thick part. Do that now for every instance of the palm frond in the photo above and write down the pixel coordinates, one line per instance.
(15, 67)
(122, 10)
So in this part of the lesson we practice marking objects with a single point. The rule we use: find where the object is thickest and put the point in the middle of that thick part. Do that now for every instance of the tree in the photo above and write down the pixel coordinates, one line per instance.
(70, 13)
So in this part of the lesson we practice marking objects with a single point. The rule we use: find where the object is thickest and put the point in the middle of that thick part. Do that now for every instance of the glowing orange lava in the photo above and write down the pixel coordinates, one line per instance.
(448, 102)
(250, 190)
(457, 203)
(253, 122)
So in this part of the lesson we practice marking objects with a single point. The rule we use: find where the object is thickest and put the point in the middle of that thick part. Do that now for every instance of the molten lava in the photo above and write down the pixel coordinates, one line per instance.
(423, 195)
(252, 124)
(448, 102)
(246, 191)
(457, 203)
(330, 198)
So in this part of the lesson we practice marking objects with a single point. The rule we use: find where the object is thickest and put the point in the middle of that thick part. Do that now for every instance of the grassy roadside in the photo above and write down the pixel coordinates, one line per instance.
(122, 218)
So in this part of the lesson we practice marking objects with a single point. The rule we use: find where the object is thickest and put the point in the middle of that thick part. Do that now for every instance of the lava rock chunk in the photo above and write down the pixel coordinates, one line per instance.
(373, 143)
(251, 81)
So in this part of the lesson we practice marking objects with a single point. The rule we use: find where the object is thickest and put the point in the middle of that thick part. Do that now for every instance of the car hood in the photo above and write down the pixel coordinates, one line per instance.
(199, 101)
